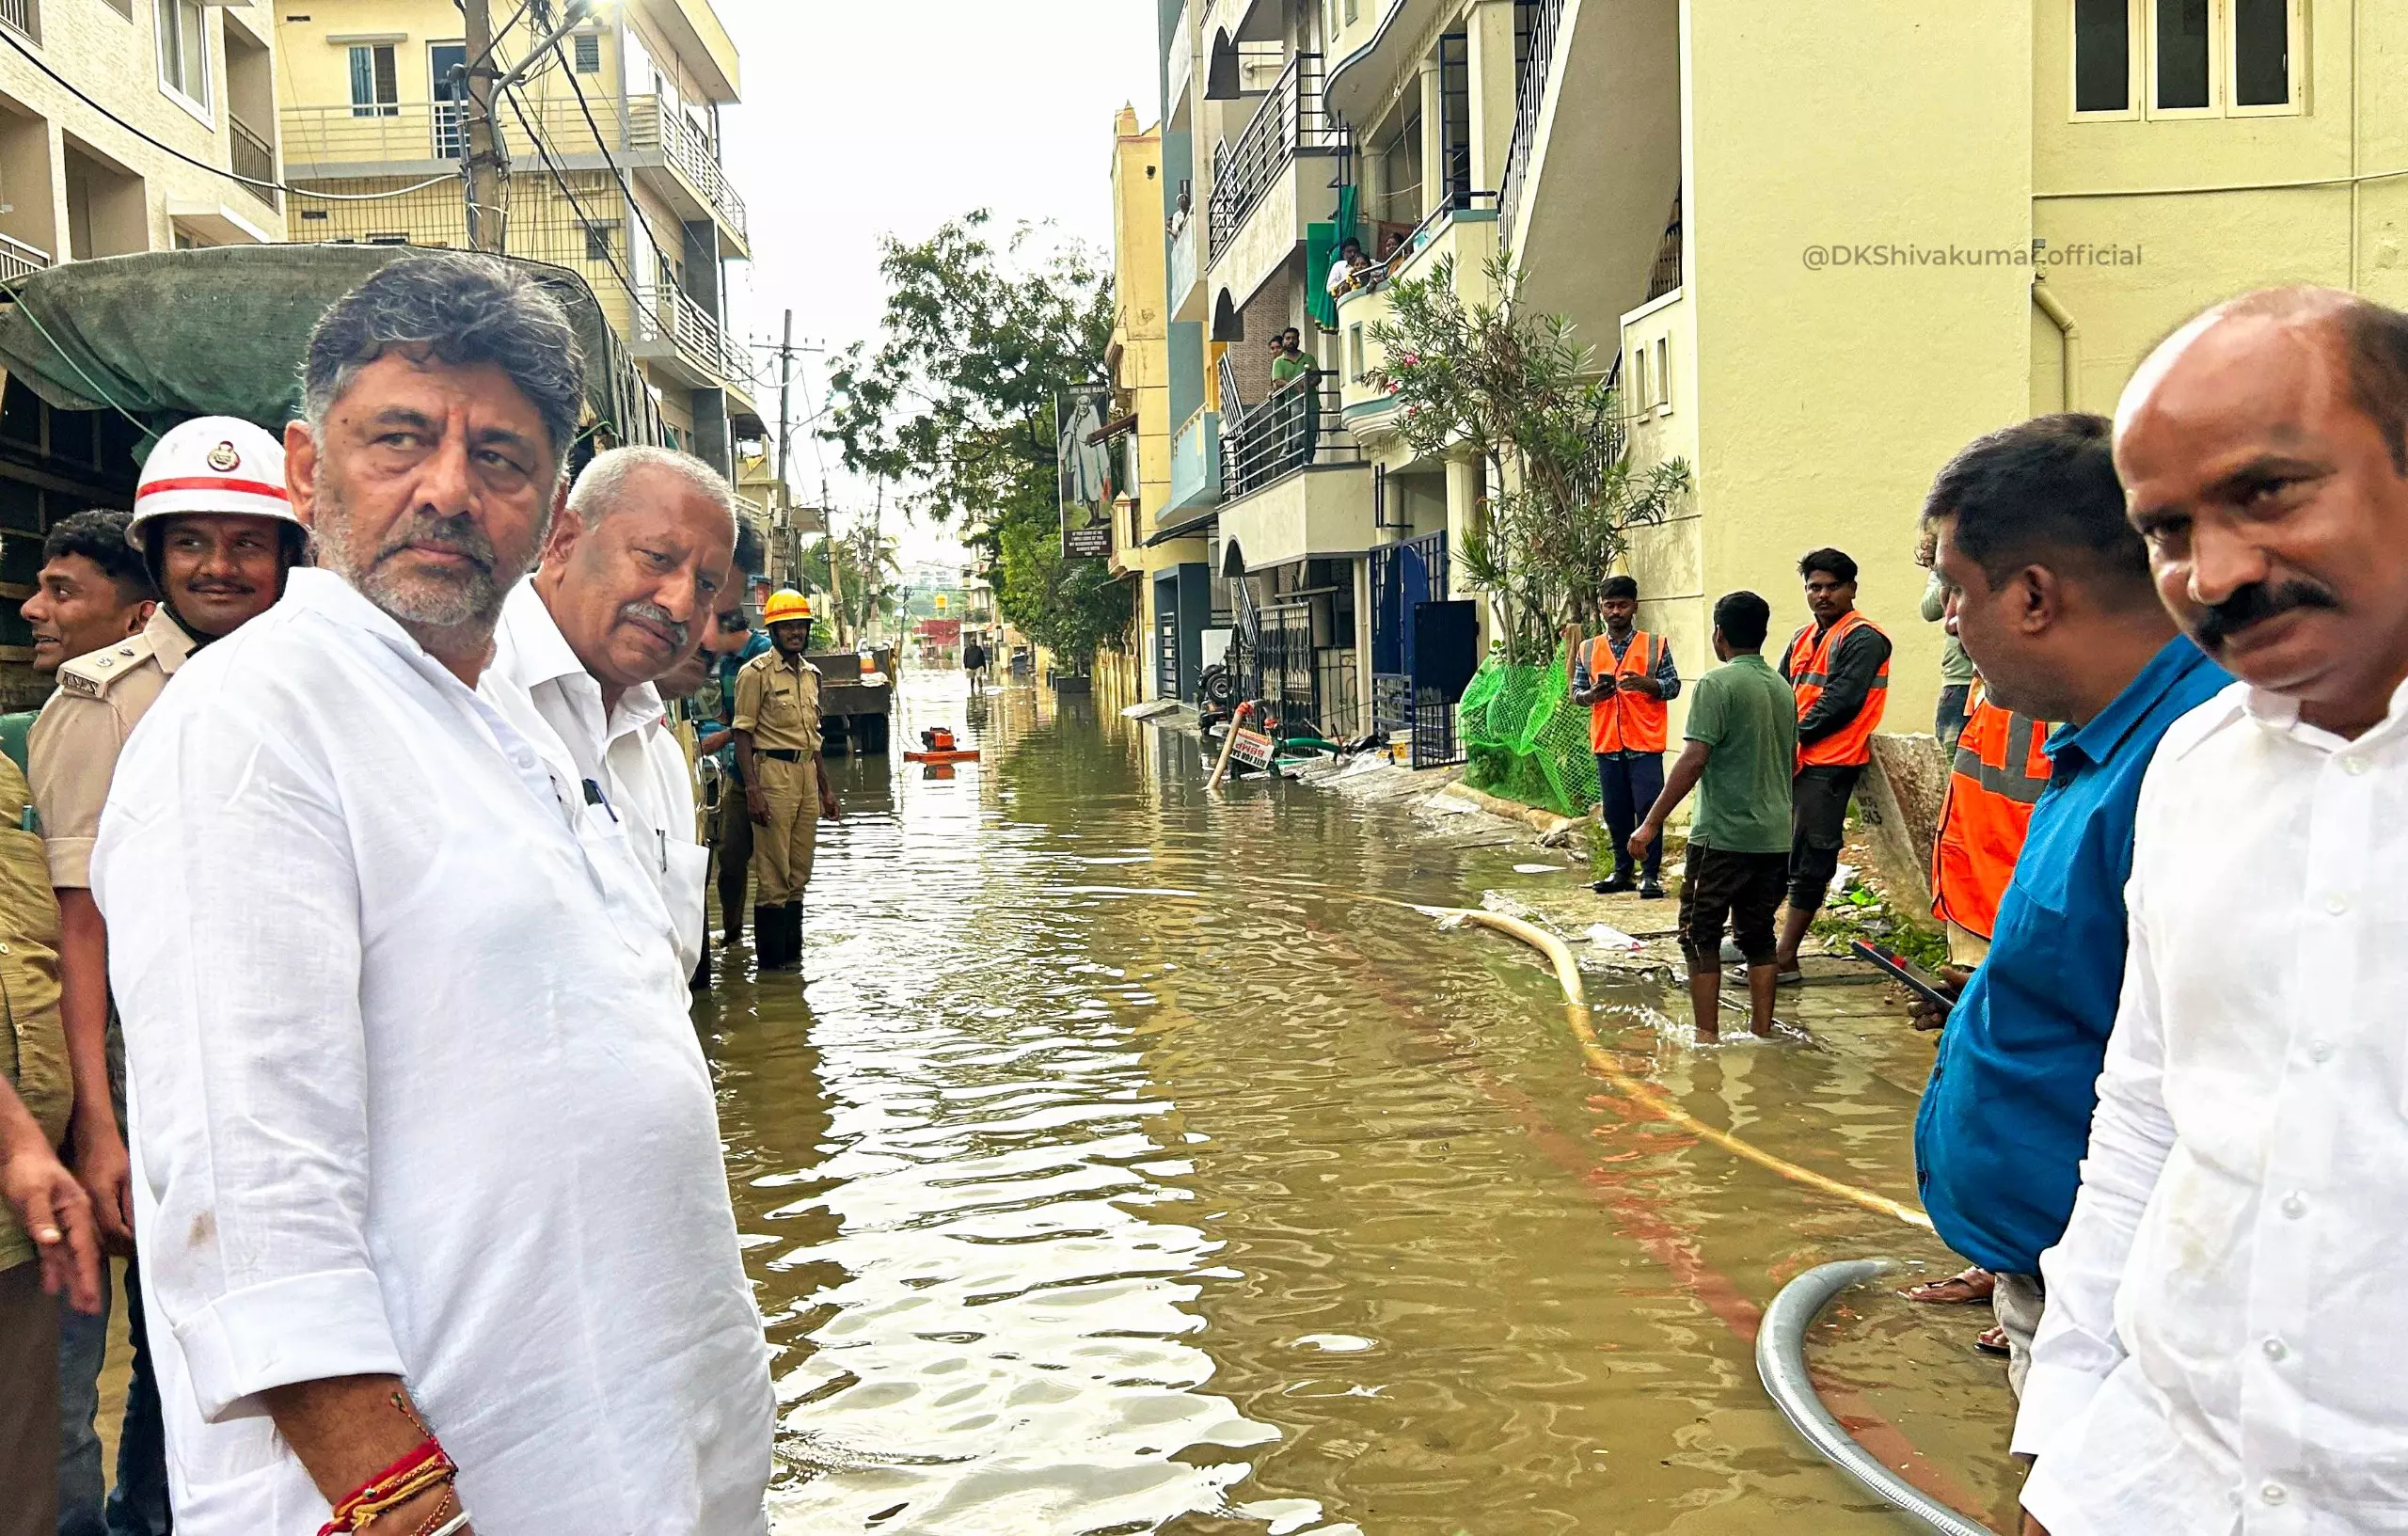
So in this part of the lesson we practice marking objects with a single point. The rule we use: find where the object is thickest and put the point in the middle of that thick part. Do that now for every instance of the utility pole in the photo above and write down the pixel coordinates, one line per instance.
(484, 162)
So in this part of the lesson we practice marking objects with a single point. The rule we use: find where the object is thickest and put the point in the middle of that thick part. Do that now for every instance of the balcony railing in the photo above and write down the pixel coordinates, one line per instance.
(1529, 99)
(666, 315)
(1293, 116)
(1666, 275)
(253, 159)
(22, 16)
(1297, 427)
(16, 259)
(652, 127)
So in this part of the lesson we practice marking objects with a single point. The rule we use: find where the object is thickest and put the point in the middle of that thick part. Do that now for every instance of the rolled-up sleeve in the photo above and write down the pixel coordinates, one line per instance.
(227, 874)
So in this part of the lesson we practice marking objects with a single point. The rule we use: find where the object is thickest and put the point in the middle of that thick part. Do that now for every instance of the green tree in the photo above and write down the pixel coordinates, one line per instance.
(957, 401)
(1517, 391)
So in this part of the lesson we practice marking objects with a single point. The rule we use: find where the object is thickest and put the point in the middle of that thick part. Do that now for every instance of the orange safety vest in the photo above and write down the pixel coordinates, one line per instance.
(1626, 722)
(2002, 766)
(1810, 667)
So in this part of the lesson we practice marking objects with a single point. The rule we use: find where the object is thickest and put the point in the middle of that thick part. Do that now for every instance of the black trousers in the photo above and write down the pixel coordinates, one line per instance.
(1818, 797)
(1631, 782)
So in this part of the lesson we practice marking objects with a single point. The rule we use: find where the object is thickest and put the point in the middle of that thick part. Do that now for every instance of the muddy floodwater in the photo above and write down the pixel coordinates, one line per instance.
(1118, 1168)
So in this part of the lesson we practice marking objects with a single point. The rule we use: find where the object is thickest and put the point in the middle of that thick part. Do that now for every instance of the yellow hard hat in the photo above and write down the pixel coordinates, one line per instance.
(784, 605)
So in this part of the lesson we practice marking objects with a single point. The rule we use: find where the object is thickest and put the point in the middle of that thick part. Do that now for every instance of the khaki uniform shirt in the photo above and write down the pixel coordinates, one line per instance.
(779, 703)
(33, 1046)
(73, 752)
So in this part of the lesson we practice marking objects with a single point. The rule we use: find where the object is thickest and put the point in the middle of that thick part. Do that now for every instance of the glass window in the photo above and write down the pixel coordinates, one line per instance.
(184, 48)
(445, 66)
(2261, 53)
(2183, 78)
(601, 241)
(375, 88)
(2102, 55)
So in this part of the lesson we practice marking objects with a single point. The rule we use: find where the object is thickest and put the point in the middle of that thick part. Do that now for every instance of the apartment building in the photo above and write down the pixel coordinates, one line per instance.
(1163, 652)
(1821, 248)
(1291, 125)
(614, 171)
(1832, 247)
(99, 174)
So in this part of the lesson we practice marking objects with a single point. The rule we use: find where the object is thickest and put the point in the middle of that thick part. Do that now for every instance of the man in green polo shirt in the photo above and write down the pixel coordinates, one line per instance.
(1742, 743)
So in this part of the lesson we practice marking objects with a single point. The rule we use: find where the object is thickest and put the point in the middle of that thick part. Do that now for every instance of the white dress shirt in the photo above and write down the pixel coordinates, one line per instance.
(412, 1093)
(2221, 1350)
(625, 751)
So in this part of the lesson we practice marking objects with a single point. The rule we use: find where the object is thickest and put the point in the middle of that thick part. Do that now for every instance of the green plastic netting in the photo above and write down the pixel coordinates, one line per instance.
(1525, 739)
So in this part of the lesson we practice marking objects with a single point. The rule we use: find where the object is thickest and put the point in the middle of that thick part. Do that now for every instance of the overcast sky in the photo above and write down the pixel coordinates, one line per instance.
(863, 120)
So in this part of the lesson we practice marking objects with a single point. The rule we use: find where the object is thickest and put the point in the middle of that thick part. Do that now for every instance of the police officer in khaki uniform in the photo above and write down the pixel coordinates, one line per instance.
(216, 530)
(777, 752)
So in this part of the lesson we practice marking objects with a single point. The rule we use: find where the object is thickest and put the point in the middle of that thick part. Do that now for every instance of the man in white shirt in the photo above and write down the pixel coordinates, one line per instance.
(628, 589)
(426, 1161)
(2221, 1351)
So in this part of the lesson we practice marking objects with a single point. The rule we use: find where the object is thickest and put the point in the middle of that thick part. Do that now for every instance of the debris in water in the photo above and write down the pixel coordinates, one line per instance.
(1606, 936)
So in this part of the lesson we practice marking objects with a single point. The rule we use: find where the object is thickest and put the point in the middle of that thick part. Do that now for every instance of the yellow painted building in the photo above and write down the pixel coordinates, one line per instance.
(614, 142)
(1836, 243)
(1824, 247)
(1140, 357)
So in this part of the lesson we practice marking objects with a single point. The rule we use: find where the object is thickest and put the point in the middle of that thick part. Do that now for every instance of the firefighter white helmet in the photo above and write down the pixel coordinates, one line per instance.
(212, 465)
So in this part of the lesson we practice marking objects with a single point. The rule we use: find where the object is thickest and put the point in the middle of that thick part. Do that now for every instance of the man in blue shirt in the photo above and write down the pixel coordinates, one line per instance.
(2050, 593)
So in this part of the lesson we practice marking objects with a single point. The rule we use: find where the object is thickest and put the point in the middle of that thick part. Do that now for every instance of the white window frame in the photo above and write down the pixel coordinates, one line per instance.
(163, 21)
(2216, 52)
(2137, 56)
(1663, 375)
(373, 108)
(2295, 15)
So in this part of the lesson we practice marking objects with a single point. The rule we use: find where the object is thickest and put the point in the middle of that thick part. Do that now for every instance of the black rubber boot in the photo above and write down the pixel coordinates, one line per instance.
(767, 952)
(790, 933)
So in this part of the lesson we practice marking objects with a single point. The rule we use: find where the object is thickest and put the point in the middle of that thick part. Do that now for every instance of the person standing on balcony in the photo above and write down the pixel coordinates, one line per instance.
(1627, 678)
(1840, 667)
(1291, 385)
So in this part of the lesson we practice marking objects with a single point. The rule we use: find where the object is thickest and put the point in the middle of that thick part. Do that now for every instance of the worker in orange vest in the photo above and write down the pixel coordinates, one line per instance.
(1627, 678)
(1839, 667)
(2002, 766)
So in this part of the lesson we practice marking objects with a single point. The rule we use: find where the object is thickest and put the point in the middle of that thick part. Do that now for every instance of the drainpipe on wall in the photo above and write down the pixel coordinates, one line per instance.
(2070, 335)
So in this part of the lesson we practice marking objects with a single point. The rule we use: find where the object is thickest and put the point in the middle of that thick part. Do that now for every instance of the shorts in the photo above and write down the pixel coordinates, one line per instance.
(1818, 797)
(1745, 889)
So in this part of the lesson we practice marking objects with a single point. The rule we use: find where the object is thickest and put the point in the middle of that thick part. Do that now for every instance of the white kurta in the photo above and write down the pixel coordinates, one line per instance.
(2221, 1351)
(412, 1093)
(622, 752)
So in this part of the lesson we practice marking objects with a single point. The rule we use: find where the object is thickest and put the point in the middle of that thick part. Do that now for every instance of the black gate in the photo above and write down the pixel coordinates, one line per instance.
(1414, 693)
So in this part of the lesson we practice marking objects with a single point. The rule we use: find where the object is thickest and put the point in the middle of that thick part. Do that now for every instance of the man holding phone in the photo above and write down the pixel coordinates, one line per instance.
(2049, 590)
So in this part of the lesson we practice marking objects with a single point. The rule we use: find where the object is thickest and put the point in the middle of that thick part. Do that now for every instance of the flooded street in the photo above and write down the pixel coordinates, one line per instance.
(1126, 1171)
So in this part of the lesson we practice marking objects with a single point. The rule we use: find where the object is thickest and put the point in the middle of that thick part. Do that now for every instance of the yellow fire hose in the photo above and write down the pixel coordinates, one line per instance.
(1576, 1000)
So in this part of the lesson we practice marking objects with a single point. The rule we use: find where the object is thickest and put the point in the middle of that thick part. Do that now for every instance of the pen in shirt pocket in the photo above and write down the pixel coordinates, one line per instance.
(594, 796)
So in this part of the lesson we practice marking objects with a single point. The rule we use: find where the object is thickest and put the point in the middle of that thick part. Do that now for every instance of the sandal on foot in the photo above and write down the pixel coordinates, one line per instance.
(1992, 1341)
(1972, 1285)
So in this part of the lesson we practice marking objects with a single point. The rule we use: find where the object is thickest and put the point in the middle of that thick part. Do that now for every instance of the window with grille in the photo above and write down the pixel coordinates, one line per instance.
(601, 241)
(589, 53)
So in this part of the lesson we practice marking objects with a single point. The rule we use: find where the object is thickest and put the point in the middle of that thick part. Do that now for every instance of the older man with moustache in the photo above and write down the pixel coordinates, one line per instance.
(2221, 1350)
(628, 587)
(427, 1157)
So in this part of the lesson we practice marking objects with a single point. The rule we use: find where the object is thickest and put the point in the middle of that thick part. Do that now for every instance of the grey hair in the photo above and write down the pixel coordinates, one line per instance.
(459, 310)
(601, 486)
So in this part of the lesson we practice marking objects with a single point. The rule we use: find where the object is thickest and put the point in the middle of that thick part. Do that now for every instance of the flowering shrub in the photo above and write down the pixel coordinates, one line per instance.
(1559, 493)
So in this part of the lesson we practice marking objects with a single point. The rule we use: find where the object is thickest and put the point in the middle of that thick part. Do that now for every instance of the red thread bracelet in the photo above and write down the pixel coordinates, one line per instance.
(426, 1467)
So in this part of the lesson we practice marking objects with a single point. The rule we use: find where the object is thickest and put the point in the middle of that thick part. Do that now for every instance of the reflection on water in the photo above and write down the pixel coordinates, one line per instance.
(1124, 1173)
